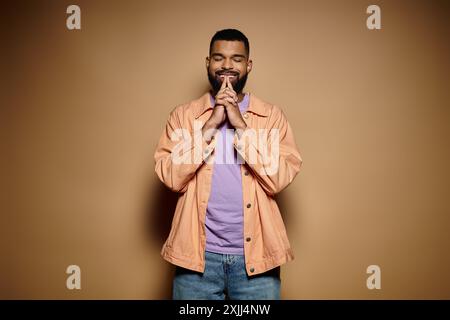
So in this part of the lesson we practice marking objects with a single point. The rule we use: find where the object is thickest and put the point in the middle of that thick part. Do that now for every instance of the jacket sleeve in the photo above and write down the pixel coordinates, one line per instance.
(180, 152)
(271, 154)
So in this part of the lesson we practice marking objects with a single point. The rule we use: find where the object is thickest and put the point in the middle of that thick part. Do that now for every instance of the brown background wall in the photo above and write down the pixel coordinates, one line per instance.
(82, 112)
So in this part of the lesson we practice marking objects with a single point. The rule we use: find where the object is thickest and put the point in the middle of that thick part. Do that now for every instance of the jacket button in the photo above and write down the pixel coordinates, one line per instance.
(246, 173)
(248, 239)
(206, 151)
(246, 115)
(252, 269)
(248, 205)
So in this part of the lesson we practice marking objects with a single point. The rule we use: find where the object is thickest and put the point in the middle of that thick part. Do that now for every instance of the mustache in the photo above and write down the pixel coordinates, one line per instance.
(227, 73)
(216, 83)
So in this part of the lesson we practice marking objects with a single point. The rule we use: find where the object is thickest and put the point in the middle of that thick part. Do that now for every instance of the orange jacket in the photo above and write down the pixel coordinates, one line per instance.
(266, 245)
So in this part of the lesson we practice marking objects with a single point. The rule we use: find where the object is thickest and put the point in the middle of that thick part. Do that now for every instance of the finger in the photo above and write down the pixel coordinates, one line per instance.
(229, 105)
(224, 96)
(221, 92)
(221, 95)
(232, 94)
(227, 93)
(223, 99)
(224, 83)
(229, 85)
(229, 100)
(225, 104)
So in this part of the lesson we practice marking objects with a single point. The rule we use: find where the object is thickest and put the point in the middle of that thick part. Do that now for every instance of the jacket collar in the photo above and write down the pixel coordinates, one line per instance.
(256, 105)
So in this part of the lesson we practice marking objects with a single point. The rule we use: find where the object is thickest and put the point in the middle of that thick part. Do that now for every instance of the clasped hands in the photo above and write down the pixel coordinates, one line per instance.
(226, 107)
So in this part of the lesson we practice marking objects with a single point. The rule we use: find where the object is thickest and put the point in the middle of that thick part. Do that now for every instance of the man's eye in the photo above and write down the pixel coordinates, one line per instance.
(217, 59)
(237, 60)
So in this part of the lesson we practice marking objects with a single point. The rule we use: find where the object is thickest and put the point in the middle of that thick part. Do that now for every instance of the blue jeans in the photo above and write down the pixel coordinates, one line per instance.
(224, 278)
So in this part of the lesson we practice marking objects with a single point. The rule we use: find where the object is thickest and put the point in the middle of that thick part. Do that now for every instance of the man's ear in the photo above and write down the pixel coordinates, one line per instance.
(207, 63)
(249, 65)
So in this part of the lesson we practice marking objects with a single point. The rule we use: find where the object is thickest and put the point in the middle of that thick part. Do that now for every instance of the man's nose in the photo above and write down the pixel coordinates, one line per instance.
(227, 64)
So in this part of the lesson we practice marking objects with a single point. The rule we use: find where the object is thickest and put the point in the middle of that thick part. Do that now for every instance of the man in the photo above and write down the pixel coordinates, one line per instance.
(227, 154)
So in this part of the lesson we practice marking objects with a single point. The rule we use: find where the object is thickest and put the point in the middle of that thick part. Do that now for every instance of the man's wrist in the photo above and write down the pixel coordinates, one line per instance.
(208, 130)
(240, 129)
(209, 125)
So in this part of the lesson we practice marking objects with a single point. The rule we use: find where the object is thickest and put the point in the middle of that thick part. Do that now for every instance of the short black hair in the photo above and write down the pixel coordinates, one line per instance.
(230, 35)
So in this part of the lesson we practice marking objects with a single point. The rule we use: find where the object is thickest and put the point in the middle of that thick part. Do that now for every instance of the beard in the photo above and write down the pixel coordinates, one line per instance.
(216, 82)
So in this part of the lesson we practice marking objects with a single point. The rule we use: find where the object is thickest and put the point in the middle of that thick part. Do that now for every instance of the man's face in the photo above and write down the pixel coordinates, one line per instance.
(228, 58)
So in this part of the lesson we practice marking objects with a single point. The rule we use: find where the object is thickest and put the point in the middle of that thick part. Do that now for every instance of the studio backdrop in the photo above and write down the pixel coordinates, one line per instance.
(83, 107)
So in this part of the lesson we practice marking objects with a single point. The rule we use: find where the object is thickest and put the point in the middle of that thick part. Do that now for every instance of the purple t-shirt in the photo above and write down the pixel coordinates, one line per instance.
(224, 215)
